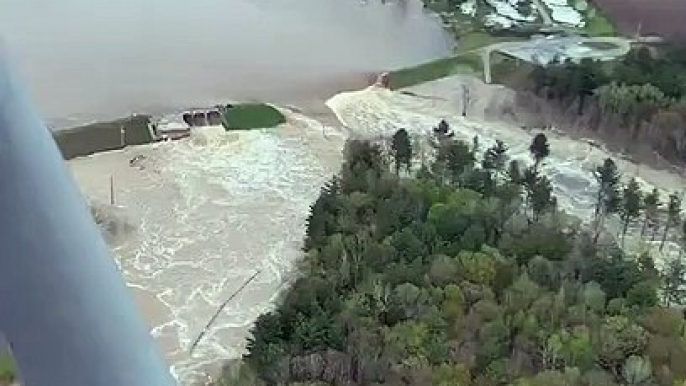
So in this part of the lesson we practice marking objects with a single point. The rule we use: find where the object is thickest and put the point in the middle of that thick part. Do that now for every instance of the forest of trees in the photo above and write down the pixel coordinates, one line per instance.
(641, 98)
(458, 269)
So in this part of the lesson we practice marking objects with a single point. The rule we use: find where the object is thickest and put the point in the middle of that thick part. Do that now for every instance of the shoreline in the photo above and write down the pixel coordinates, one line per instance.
(114, 134)
(313, 92)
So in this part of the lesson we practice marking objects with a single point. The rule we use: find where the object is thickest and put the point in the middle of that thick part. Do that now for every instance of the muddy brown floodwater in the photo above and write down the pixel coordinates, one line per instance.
(207, 213)
(95, 59)
(196, 218)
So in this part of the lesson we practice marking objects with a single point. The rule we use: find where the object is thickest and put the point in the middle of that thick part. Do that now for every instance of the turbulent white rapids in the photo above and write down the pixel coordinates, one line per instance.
(378, 112)
(210, 211)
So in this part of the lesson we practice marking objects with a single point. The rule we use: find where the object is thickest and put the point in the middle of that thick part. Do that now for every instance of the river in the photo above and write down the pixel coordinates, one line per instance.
(97, 59)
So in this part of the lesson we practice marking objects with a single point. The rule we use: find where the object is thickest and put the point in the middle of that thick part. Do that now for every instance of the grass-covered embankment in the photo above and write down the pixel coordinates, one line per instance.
(437, 69)
(7, 369)
(103, 136)
(597, 23)
(466, 60)
(247, 116)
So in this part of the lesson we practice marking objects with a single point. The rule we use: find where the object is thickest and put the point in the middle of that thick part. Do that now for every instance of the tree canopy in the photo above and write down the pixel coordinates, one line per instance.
(443, 277)
(638, 101)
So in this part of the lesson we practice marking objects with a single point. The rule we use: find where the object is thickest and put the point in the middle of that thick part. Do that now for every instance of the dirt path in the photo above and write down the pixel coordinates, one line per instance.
(555, 45)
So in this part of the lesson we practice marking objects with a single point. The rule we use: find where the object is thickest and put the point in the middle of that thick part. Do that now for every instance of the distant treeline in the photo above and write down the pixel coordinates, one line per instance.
(641, 98)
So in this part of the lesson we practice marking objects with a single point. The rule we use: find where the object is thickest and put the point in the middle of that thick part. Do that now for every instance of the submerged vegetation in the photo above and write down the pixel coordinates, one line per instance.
(451, 265)
(7, 369)
(247, 116)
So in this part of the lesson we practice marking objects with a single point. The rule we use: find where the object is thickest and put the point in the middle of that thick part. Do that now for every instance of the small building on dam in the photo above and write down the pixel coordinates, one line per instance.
(180, 125)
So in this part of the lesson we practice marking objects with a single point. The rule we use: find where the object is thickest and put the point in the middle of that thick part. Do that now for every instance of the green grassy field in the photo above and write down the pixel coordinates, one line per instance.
(247, 116)
(7, 368)
(464, 61)
(599, 25)
(103, 136)
(437, 69)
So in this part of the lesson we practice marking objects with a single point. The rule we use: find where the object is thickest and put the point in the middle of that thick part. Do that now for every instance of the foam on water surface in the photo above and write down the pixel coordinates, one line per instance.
(379, 112)
(211, 211)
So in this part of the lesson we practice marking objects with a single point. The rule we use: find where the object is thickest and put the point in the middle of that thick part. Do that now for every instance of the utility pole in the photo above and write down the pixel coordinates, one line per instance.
(122, 138)
(638, 29)
(112, 190)
(465, 99)
(219, 310)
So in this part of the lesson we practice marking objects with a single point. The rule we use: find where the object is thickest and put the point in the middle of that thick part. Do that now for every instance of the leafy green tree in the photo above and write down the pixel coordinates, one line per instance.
(539, 149)
(444, 270)
(514, 173)
(674, 279)
(451, 375)
(364, 164)
(321, 222)
(521, 294)
(608, 198)
(476, 144)
(636, 370)
(631, 104)
(618, 339)
(590, 77)
(616, 275)
(415, 281)
(630, 208)
(409, 301)
(673, 216)
(455, 157)
(594, 297)
(477, 267)
(495, 158)
(453, 302)
(542, 198)
(267, 345)
(407, 340)
(442, 131)
(401, 149)
(651, 206)
(539, 193)
(577, 348)
(643, 294)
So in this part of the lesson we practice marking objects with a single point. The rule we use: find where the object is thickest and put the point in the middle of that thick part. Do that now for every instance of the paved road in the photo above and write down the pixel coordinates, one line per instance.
(548, 47)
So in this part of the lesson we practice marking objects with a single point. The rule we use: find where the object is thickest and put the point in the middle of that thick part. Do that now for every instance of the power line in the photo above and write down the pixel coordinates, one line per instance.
(219, 310)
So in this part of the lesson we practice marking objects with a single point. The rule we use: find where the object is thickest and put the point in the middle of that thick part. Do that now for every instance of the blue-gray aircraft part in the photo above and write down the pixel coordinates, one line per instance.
(64, 308)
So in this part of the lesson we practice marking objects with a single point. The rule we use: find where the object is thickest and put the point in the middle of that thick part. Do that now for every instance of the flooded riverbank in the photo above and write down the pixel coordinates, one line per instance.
(207, 213)
(211, 211)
